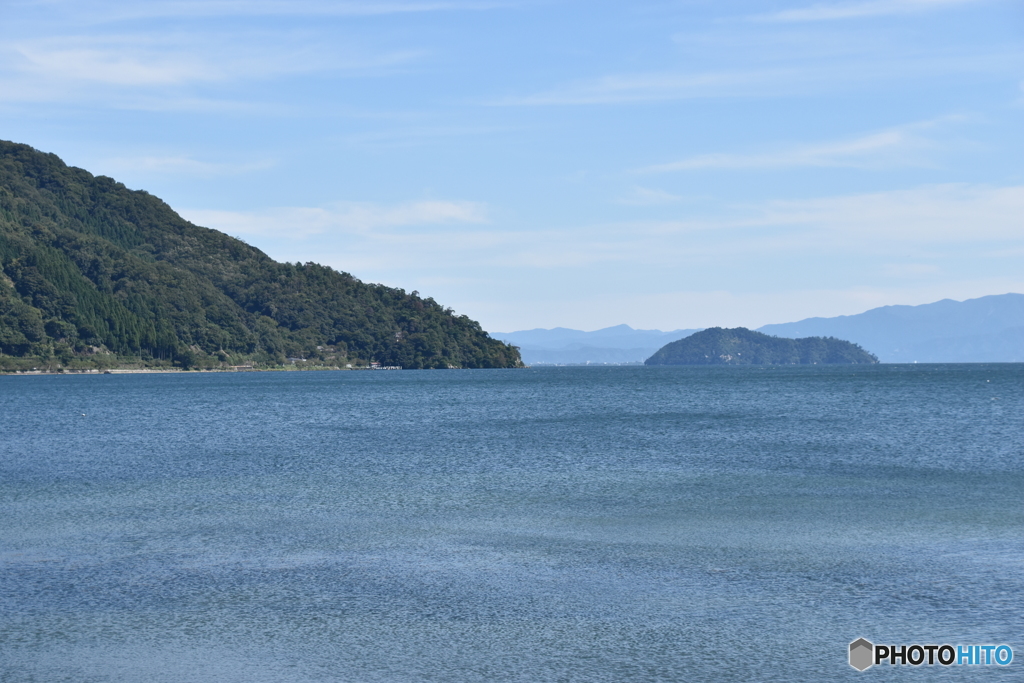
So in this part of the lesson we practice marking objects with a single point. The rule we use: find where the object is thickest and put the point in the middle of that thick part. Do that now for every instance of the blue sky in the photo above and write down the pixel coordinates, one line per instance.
(560, 163)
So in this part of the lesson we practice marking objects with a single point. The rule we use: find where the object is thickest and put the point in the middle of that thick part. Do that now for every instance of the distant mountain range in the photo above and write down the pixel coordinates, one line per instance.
(611, 345)
(988, 329)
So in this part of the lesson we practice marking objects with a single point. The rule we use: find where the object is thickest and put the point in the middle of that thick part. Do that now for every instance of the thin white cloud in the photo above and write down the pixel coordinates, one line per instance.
(349, 218)
(179, 165)
(931, 215)
(909, 270)
(796, 78)
(408, 136)
(295, 8)
(932, 219)
(82, 13)
(925, 222)
(113, 66)
(173, 60)
(647, 87)
(645, 196)
(893, 147)
(938, 218)
(859, 10)
(849, 153)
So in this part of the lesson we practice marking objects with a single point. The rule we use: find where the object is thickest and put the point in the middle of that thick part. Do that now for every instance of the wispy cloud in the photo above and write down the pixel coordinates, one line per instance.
(893, 147)
(56, 60)
(102, 11)
(647, 87)
(859, 10)
(796, 77)
(849, 153)
(934, 217)
(645, 196)
(909, 270)
(409, 136)
(311, 8)
(144, 60)
(383, 240)
(180, 72)
(931, 215)
(355, 218)
(180, 165)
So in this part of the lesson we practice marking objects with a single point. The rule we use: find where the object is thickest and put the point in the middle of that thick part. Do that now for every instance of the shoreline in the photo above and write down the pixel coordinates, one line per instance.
(164, 371)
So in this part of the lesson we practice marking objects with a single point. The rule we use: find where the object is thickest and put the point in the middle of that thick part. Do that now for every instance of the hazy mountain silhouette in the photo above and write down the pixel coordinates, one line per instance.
(988, 329)
(563, 346)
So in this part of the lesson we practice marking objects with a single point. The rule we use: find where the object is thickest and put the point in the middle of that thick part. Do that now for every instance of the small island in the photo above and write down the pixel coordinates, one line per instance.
(740, 346)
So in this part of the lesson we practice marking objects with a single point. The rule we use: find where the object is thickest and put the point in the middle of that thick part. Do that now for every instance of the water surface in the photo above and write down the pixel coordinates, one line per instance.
(556, 524)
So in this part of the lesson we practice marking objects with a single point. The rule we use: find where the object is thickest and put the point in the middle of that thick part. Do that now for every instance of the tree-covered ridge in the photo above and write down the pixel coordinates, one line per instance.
(89, 267)
(740, 346)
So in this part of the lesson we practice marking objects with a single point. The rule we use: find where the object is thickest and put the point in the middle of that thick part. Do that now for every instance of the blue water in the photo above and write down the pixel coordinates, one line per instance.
(560, 524)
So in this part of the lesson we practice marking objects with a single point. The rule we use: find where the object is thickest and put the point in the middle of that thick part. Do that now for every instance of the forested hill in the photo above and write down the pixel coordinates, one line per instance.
(740, 346)
(92, 270)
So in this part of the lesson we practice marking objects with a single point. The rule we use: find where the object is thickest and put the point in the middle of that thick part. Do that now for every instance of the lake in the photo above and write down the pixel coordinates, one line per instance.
(555, 524)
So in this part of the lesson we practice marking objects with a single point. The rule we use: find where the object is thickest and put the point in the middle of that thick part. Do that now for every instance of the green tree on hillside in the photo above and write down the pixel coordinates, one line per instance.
(88, 264)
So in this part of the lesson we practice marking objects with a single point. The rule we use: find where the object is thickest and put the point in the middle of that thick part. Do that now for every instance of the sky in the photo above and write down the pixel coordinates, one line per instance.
(543, 163)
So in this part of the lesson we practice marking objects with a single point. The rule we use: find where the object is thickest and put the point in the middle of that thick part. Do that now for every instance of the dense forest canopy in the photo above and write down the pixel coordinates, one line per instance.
(91, 270)
(740, 346)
